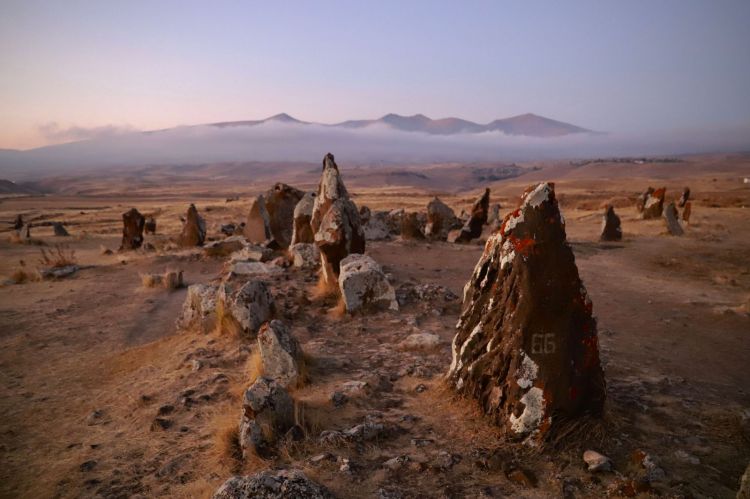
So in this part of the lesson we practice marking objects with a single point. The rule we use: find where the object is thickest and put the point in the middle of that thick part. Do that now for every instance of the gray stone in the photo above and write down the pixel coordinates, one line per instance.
(199, 309)
(267, 414)
(279, 484)
(364, 286)
(304, 255)
(248, 307)
(280, 353)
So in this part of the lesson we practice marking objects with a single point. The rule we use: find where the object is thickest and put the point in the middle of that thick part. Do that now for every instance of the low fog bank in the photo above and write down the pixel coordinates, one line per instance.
(274, 142)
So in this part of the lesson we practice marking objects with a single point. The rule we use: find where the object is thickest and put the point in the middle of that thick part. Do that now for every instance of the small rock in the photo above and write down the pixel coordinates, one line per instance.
(166, 409)
(161, 424)
(596, 461)
(396, 463)
(87, 466)
(339, 399)
(522, 477)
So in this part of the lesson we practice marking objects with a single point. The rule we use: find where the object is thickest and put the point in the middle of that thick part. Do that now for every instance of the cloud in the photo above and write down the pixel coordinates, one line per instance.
(52, 131)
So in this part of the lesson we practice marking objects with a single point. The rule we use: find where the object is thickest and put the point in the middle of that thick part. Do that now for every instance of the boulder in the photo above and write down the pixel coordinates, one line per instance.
(410, 227)
(18, 223)
(684, 198)
(377, 227)
(171, 279)
(640, 201)
(611, 230)
(150, 226)
(364, 214)
(193, 230)
(57, 272)
(671, 217)
(393, 219)
(420, 341)
(654, 204)
(59, 229)
(132, 230)
(304, 255)
(526, 345)
(335, 222)
(440, 220)
(199, 309)
(272, 484)
(258, 225)
(686, 212)
(302, 232)
(225, 247)
(242, 269)
(281, 202)
(280, 354)
(247, 308)
(472, 229)
(251, 253)
(267, 413)
(364, 286)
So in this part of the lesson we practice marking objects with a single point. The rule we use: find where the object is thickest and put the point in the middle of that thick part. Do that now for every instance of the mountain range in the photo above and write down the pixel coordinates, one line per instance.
(528, 124)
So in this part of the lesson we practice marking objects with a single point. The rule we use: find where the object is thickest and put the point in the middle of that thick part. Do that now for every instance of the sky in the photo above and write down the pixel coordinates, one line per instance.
(77, 69)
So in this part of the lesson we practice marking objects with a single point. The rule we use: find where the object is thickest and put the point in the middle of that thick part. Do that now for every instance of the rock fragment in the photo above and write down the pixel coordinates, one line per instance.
(193, 230)
(258, 225)
(132, 230)
(364, 286)
(597, 461)
(281, 354)
(59, 229)
(199, 309)
(441, 219)
(304, 255)
(410, 227)
(267, 414)
(527, 346)
(281, 202)
(472, 229)
(278, 484)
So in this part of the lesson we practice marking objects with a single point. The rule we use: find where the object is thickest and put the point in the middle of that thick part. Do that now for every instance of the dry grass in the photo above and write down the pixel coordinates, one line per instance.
(225, 323)
(254, 367)
(171, 279)
(57, 257)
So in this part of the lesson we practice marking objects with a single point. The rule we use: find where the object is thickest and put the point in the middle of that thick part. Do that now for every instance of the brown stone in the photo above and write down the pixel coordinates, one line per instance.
(150, 227)
(59, 229)
(193, 230)
(686, 212)
(527, 346)
(654, 204)
(611, 230)
(335, 222)
(441, 219)
(132, 230)
(472, 229)
(410, 227)
(258, 225)
(281, 201)
(18, 223)
(684, 198)
(640, 201)
(302, 232)
(671, 217)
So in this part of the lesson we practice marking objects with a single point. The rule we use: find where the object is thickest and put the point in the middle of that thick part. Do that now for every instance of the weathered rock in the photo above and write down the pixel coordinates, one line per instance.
(420, 341)
(364, 214)
(654, 204)
(258, 225)
(250, 268)
(596, 461)
(302, 232)
(640, 201)
(611, 230)
(150, 226)
(279, 484)
(199, 309)
(230, 228)
(281, 202)
(132, 230)
(377, 227)
(671, 217)
(526, 346)
(18, 223)
(472, 229)
(494, 215)
(280, 353)
(686, 212)
(251, 253)
(364, 286)
(335, 222)
(267, 413)
(684, 198)
(59, 229)
(225, 247)
(57, 272)
(440, 220)
(171, 279)
(193, 230)
(410, 227)
(246, 309)
(304, 255)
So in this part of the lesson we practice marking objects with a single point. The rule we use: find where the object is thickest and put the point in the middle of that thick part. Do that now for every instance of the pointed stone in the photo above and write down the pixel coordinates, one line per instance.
(59, 229)
(193, 230)
(441, 219)
(611, 230)
(684, 198)
(302, 232)
(335, 222)
(526, 347)
(410, 227)
(132, 230)
(280, 353)
(258, 225)
(281, 201)
(472, 229)
(686, 212)
(640, 201)
(671, 217)
(654, 204)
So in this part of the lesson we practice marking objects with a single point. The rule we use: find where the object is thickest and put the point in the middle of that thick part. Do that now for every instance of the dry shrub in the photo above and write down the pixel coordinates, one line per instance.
(228, 452)
(254, 367)
(324, 290)
(171, 279)
(225, 322)
(57, 257)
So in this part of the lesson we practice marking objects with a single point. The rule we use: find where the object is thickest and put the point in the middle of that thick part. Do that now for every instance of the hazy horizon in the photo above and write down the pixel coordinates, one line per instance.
(83, 69)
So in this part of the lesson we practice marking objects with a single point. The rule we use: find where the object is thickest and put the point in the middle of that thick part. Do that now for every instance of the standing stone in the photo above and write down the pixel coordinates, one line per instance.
(193, 230)
(376, 226)
(258, 225)
(640, 201)
(199, 309)
(304, 255)
(686, 212)
(410, 227)
(335, 222)
(267, 413)
(440, 220)
(281, 202)
(59, 229)
(527, 345)
(611, 230)
(280, 353)
(494, 215)
(672, 219)
(132, 230)
(472, 229)
(150, 226)
(18, 223)
(246, 309)
(302, 232)
(654, 205)
(684, 198)
(364, 214)
(364, 286)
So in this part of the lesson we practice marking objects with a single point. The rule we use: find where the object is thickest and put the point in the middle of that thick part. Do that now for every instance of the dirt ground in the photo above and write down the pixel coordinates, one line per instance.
(88, 362)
